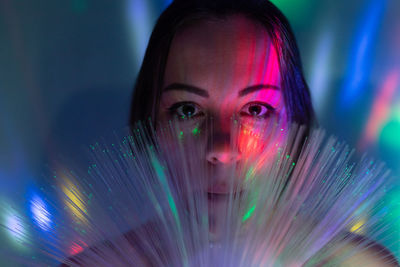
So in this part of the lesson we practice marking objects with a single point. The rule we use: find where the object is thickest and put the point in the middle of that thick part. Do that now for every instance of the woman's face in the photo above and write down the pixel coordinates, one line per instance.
(224, 69)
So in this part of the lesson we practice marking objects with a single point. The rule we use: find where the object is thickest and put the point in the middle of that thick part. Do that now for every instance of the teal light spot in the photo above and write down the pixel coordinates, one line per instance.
(389, 136)
(296, 11)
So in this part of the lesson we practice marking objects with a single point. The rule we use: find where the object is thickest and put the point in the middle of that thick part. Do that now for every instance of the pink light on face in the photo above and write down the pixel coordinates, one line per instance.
(381, 109)
(263, 68)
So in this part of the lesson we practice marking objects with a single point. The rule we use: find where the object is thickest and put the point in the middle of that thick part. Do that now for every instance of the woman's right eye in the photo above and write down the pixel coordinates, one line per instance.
(185, 110)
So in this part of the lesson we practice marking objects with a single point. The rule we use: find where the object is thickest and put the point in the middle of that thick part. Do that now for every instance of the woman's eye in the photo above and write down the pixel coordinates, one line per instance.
(185, 110)
(257, 110)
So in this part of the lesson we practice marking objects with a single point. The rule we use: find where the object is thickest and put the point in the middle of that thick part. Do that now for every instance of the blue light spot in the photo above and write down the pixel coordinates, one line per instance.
(40, 214)
(360, 60)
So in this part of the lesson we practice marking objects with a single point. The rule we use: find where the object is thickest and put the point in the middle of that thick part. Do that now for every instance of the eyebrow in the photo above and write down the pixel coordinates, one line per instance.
(204, 93)
(186, 87)
(256, 87)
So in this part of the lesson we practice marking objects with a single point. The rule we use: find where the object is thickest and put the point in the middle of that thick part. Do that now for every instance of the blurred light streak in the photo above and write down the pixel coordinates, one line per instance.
(73, 199)
(320, 71)
(14, 226)
(360, 59)
(77, 247)
(380, 111)
(40, 214)
(140, 20)
(25, 61)
(358, 227)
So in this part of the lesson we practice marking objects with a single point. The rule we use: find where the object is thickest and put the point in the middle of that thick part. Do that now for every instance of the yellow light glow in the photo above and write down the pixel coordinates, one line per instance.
(74, 201)
(358, 227)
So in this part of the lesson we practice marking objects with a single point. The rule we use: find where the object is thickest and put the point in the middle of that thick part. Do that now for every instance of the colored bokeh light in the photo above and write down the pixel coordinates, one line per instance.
(40, 214)
(380, 110)
(295, 10)
(357, 227)
(73, 199)
(360, 61)
(15, 227)
(77, 247)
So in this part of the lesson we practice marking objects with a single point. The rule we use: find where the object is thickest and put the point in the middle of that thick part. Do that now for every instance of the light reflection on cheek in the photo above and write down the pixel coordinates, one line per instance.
(249, 142)
(256, 139)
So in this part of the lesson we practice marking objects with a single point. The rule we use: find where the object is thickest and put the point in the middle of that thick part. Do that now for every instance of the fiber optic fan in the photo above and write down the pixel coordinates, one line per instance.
(149, 198)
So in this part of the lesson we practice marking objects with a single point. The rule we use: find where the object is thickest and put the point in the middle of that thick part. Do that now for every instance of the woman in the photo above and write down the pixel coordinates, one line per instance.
(221, 59)
(209, 63)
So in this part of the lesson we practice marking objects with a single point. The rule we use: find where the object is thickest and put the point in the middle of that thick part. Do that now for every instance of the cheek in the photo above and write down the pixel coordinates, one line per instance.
(263, 141)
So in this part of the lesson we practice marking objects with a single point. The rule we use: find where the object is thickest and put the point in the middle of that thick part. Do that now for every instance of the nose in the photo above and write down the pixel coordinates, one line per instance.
(223, 156)
(221, 148)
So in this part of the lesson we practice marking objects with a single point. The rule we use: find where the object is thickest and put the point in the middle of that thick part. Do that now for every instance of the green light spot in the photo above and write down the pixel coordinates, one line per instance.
(296, 11)
(249, 213)
(195, 131)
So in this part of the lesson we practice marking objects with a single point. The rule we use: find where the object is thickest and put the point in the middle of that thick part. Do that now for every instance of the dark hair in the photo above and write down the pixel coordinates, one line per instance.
(147, 91)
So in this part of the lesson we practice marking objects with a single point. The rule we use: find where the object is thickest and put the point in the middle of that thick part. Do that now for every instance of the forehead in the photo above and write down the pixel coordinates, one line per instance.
(232, 52)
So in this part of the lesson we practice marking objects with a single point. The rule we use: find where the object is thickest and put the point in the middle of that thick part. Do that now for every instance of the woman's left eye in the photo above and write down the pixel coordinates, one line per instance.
(257, 110)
